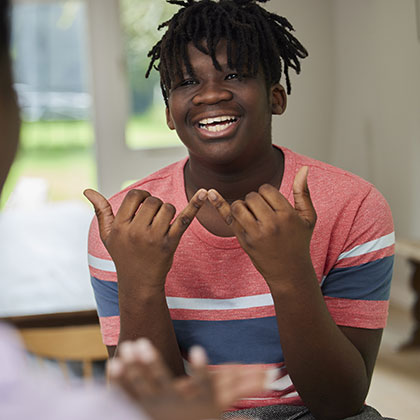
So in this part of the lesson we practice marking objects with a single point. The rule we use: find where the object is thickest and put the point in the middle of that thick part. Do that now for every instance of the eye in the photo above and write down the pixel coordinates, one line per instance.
(232, 76)
(188, 82)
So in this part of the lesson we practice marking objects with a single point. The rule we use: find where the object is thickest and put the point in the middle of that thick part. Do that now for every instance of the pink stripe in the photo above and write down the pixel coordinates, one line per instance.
(365, 258)
(103, 275)
(110, 328)
(358, 313)
(272, 398)
(222, 315)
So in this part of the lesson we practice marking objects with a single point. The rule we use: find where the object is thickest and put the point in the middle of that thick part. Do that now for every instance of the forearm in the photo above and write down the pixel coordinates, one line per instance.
(327, 369)
(147, 315)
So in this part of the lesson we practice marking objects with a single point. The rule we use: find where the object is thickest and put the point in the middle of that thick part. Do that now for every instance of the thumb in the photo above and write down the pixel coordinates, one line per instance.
(303, 202)
(103, 212)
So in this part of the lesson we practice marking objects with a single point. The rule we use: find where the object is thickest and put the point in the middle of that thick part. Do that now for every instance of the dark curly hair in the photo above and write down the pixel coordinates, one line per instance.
(259, 38)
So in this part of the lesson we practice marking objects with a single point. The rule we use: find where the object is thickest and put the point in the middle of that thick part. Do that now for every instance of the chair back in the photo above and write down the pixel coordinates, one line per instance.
(64, 344)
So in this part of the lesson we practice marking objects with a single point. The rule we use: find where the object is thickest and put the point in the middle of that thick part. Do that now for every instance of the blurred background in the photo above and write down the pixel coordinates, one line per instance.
(91, 119)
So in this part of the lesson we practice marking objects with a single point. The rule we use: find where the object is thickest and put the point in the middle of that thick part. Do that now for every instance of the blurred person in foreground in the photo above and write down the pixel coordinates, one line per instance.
(139, 370)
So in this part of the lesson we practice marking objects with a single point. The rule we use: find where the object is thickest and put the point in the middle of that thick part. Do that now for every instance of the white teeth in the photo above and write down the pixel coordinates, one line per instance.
(223, 118)
(217, 128)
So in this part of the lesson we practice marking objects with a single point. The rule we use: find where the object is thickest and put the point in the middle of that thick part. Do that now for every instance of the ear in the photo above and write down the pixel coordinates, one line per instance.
(278, 99)
(169, 121)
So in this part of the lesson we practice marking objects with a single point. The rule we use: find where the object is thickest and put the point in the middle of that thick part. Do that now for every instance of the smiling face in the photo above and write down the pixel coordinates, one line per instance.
(222, 118)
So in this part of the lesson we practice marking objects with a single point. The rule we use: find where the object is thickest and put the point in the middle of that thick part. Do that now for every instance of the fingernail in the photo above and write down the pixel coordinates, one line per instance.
(229, 220)
(202, 195)
(212, 196)
(126, 351)
(114, 367)
(145, 350)
(198, 355)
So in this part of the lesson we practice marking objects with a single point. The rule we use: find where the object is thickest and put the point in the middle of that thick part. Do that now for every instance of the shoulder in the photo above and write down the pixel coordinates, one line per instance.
(335, 188)
(325, 176)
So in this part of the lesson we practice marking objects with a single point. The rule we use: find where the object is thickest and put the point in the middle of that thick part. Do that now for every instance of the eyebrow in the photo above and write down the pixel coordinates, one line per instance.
(223, 65)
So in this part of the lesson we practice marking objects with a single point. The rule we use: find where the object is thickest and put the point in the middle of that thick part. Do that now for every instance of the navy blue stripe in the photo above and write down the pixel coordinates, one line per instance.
(106, 295)
(370, 281)
(240, 341)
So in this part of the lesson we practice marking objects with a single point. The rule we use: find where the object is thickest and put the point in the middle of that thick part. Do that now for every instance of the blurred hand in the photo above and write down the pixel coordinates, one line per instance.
(140, 371)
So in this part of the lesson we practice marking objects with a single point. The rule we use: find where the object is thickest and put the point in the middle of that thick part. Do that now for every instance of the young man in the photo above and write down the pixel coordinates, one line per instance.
(140, 370)
(273, 258)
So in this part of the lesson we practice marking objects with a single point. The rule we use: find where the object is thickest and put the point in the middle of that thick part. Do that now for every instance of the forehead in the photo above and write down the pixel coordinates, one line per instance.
(201, 61)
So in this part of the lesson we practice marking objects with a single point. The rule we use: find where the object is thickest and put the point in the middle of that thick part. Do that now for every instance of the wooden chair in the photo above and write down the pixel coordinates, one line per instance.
(74, 343)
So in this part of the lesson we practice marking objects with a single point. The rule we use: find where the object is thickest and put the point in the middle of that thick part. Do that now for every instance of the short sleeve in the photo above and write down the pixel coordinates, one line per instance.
(357, 288)
(104, 282)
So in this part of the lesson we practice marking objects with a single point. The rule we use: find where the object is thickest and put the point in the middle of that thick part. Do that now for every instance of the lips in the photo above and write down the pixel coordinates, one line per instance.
(217, 126)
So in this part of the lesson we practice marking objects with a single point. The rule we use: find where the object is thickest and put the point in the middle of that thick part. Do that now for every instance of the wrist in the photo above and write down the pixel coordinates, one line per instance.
(141, 295)
(140, 286)
(293, 279)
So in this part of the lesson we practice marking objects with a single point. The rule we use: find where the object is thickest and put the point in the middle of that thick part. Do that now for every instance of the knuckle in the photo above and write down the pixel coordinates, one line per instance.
(219, 204)
(169, 208)
(185, 220)
(236, 206)
(196, 204)
(272, 228)
(265, 188)
(154, 201)
(132, 193)
(99, 212)
(132, 235)
(136, 193)
(251, 196)
(116, 230)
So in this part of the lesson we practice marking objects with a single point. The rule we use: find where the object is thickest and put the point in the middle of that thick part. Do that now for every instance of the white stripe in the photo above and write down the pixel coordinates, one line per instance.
(370, 246)
(245, 302)
(281, 383)
(101, 264)
(290, 395)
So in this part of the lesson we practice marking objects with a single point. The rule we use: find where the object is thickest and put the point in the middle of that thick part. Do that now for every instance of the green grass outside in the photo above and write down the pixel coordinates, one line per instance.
(68, 171)
(149, 130)
(62, 152)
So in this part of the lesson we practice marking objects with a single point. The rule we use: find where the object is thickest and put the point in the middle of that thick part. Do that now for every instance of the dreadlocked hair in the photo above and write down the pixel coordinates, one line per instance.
(254, 37)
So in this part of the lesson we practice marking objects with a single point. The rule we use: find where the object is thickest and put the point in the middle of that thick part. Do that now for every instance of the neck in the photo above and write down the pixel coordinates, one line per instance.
(235, 183)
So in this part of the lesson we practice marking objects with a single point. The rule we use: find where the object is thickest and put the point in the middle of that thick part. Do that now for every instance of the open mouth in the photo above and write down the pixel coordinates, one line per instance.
(217, 124)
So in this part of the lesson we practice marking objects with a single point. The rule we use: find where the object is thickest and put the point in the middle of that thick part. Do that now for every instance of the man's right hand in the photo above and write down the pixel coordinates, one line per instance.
(141, 239)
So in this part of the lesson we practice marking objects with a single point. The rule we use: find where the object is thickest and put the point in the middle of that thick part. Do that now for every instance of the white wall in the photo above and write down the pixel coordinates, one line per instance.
(376, 119)
(357, 102)
(376, 124)
(306, 125)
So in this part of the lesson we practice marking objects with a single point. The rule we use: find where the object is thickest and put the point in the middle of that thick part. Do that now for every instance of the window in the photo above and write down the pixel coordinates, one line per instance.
(50, 60)
(146, 126)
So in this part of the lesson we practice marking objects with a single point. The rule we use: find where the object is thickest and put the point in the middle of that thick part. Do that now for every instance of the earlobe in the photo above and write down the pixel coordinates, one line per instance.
(278, 99)
(169, 121)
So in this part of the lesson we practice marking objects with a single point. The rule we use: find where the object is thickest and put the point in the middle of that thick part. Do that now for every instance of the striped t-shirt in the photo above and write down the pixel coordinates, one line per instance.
(216, 297)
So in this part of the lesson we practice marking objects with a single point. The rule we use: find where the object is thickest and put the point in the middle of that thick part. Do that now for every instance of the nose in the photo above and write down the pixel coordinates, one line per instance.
(212, 93)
